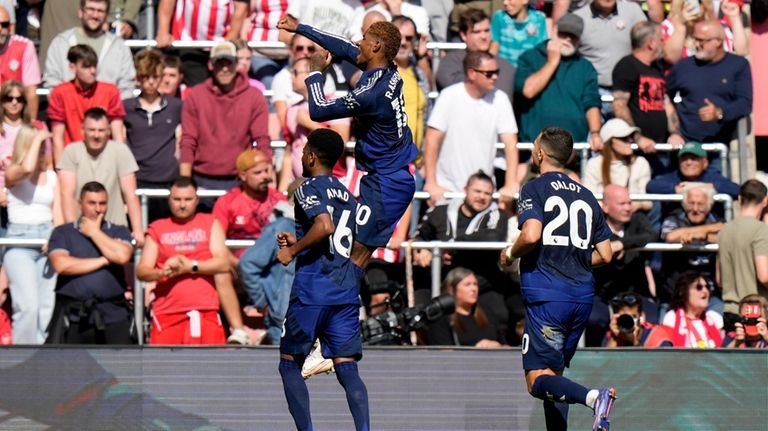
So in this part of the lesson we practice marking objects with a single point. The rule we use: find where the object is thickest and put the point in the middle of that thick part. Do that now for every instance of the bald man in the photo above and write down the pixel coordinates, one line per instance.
(627, 271)
(18, 61)
(716, 87)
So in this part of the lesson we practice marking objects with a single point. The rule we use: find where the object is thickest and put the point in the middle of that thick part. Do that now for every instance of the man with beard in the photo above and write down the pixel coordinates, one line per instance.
(559, 87)
(639, 91)
(115, 59)
(18, 62)
(716, 87)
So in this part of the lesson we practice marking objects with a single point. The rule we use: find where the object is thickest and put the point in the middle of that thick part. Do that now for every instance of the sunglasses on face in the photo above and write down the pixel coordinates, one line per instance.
(625, 300)
(309, 49)
(488, 73)
(700, 286)
(5, 24)
(409, 38)
(19, 99)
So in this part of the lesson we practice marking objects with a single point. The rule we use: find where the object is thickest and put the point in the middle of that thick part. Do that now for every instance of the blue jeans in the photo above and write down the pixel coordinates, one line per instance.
(32, 282)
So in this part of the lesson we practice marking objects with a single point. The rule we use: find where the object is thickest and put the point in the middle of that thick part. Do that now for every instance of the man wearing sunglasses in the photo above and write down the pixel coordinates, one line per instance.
(18, 61)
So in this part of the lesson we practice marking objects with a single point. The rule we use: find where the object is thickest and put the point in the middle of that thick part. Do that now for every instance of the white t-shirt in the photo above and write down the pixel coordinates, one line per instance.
(30, 203)
(332, 16)
(634, 177)
(282, 88)
(472, 128)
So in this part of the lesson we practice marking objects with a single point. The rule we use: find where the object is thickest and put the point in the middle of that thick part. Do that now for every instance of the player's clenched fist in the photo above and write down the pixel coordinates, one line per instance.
(288, 24)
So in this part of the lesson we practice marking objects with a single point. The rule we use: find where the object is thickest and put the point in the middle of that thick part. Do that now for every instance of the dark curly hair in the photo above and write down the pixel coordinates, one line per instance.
(389, 36)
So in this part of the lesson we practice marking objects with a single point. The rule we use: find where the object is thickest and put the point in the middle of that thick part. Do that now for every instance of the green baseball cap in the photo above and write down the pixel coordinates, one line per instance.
(692, 148)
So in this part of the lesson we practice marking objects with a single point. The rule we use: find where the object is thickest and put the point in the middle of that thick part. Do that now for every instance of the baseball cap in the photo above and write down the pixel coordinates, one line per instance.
(571, 24)
(249, 158)
(224, 50)
(616, 128)
(692, 148)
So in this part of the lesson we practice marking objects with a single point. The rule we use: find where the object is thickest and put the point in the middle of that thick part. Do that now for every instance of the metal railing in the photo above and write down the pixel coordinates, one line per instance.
(436, 267)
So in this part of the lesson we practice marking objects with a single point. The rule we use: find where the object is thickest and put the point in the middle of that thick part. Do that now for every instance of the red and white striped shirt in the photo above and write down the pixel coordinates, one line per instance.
(202, 19)
(261, 24)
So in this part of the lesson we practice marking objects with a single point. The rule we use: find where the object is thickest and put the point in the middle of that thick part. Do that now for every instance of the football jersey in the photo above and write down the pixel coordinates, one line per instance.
(324, 273)
(560, 267)
(384, 141)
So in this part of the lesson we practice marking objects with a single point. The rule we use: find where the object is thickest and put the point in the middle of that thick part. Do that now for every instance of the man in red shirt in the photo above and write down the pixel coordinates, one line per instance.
(182, 254)
(18, 61)
(69, 101)
(246, 209)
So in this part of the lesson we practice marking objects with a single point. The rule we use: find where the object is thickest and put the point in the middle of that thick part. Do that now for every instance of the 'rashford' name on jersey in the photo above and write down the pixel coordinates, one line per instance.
(324, 273)
(560, 268)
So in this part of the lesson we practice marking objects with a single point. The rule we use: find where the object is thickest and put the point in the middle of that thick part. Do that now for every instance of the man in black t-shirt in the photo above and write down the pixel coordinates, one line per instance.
(639, 91)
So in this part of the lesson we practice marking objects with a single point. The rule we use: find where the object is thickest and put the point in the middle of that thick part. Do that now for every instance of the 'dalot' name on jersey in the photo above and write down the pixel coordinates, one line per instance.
(560, 268)
(324, 273)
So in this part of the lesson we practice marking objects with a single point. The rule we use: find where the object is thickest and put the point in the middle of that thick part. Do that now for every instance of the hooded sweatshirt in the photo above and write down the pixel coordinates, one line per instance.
(217, 127)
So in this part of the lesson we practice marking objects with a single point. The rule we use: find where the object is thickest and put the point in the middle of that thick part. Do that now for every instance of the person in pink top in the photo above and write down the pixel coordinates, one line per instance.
(18, 61)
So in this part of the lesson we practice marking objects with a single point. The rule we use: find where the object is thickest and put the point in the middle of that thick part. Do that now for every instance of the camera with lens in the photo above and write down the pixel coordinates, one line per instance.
(749, 316)
(392, 327)
(627, 323)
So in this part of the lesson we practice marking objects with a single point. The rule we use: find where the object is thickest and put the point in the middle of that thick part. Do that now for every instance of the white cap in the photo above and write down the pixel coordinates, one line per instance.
(616, 128)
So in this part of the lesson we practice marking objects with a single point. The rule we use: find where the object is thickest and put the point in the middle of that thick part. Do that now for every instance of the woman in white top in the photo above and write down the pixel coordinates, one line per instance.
(618, 164)
(33, 210)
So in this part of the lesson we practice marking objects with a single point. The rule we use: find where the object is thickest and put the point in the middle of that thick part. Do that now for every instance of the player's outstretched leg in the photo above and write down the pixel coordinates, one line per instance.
(557, 392)
(357, 394)
(296, 393)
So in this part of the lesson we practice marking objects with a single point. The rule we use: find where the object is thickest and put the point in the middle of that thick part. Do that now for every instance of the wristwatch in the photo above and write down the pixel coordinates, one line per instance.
(195, 266)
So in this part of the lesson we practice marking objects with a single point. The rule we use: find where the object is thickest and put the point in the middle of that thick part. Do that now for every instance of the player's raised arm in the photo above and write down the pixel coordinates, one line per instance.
(336, 45)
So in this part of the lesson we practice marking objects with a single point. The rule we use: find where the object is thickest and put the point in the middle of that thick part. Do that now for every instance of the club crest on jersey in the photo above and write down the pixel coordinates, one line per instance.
(308, 202)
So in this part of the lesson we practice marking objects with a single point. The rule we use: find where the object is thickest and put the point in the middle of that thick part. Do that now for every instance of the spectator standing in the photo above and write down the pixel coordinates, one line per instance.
(153, 129)
(34, 209)
(182, 254)
(559, 87)
(463, 128)
(629, 269)
(284, 96)
(640, 91)
(186, 20)
(617, 162)
(221, 118)
(606, 38)
(261, 26)
(69, 101)
(469, 325)
(715, 87)
(97, 158)
(333, 16)
(742, 261)
(172, 83)
(474, 218)
(475, 32)
(390, 9)
(694, 224)
(89, 256)
(13, 115)
(516, 29)
(690, 323)
(415, 69)
(115, 58)
(18, 62)
(57, 16)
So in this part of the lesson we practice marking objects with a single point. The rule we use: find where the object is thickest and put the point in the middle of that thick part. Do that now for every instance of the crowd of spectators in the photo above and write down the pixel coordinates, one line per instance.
(619, 75)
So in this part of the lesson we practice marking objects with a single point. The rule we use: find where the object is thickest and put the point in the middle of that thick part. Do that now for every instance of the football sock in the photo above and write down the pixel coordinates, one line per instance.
(559, 389)
(296, 393)
(592, 398)
(357, 394)
(556, 416)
